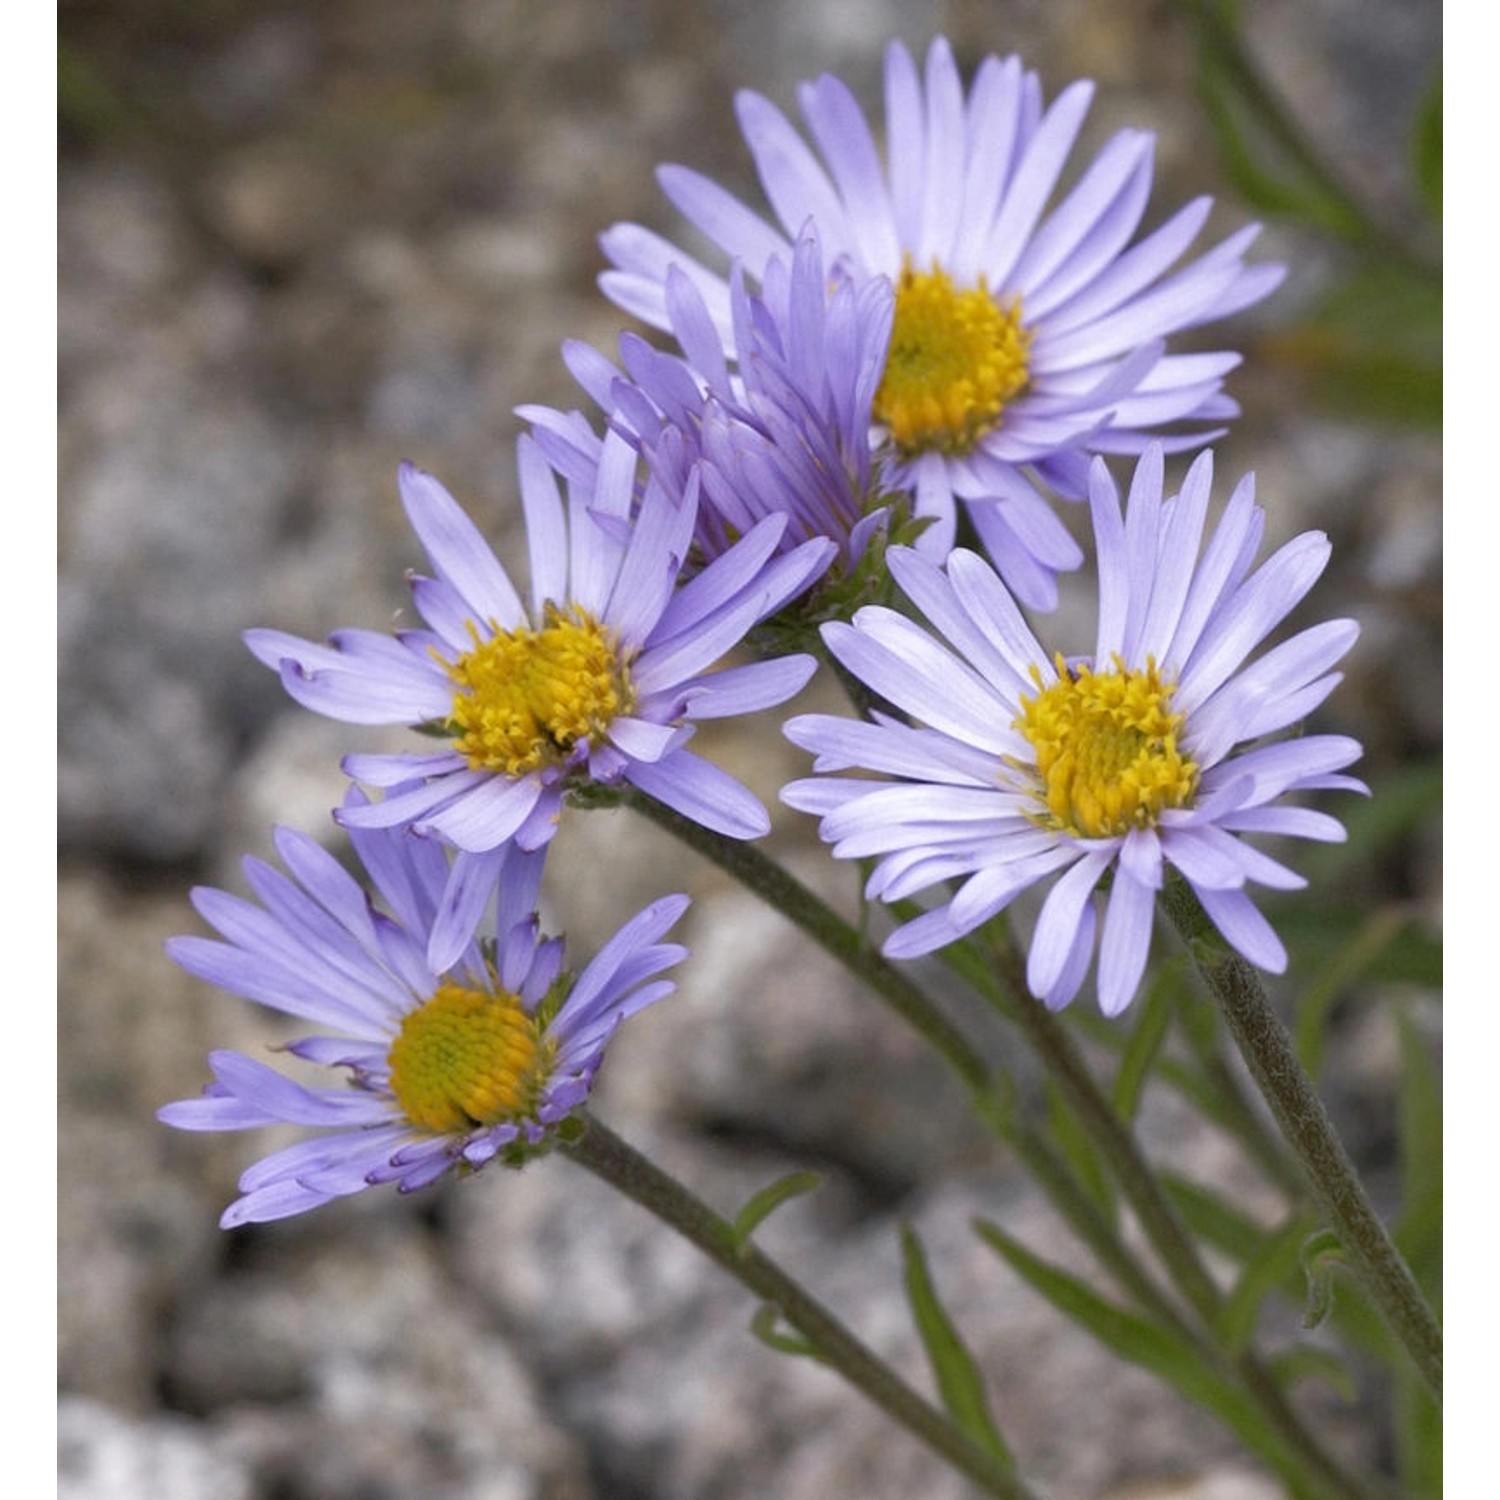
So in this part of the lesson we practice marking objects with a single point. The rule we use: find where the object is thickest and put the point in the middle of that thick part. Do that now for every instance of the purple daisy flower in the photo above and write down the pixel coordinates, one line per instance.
(445, 1068)
(1021, 765)
(1024, 341)
(599, 680)
(785, 431)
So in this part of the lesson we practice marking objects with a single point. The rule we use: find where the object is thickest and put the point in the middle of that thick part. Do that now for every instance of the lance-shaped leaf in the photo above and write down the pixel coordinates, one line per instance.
(760, 1206)
(1166, 1354)
(1146, 1040)
(960, 1385)
(1266, 1271)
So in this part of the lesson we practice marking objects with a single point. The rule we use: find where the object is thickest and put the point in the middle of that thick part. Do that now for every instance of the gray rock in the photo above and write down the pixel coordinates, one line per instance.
(104, 1455)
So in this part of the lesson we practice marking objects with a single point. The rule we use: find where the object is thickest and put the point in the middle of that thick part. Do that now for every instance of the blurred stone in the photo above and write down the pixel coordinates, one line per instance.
(275, 203)
(400, 1387)
(102, 1455)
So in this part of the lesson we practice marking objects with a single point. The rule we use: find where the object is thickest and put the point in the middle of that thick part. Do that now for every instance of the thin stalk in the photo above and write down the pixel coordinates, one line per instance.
(1268, 1050)
(1168, 1236)
(1321, 1474)
(600, 1151)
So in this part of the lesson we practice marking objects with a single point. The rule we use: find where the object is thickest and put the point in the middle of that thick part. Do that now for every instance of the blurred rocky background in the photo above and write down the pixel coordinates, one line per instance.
(299, 243)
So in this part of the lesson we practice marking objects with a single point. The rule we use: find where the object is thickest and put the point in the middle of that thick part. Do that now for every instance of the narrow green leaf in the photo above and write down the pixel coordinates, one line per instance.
(1266, 1271)
(1336, 975)
(1315, 934)
(1077, 1148)
(1254, 159)
(1223, 1226)
(1419, 1437)
(959, 1381)
(1213, 1218)
(764, 1203)
(1352, 372)
(766, 1326)
(1146, 1039)
(1138, 1341)
(1427, 147)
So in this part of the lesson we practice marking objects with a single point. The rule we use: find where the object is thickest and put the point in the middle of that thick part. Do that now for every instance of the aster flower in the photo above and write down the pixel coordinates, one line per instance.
(1021, 766)
(445, 1069)
(1024, 341)
(600, 680)
(785, 432)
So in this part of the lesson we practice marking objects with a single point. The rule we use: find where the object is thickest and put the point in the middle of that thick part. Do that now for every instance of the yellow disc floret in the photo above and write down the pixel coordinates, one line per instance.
(1107, 749)
(468, 1058)
(955, 359)
(525, 697)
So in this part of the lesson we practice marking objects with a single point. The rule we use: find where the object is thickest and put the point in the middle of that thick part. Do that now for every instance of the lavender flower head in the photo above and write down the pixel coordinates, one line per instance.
(1024, 341)
(782, 431)
(598, 679)
(1020, 766)
(442, 1069)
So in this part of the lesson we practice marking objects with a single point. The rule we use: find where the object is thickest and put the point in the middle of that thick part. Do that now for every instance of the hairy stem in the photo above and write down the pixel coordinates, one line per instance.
(1167, 1234)
(1268, 1050)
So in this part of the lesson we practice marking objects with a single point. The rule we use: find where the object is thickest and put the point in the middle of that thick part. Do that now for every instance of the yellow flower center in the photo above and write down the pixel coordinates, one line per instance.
(955, 359)
(1106, 746)
(467, 1058)
(525, 697)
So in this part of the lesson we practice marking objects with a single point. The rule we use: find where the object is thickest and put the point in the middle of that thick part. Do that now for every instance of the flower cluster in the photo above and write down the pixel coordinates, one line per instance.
(909, 328)
(1025, 339)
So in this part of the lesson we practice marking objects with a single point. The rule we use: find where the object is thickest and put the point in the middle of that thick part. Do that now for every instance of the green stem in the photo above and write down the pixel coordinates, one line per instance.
(599, 1150)
(830, 931)
(845, 943)
(1168, 1236)
(1267, 1049)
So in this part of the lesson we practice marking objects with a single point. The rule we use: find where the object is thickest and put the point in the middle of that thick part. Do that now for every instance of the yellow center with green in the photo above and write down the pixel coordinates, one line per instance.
(525, 697)
(468, 1058)
(1107, 749)
(956, 358)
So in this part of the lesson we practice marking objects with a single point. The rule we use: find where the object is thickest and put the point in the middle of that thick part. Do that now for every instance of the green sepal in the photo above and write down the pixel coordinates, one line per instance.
(840, 592)
(960, 1384)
